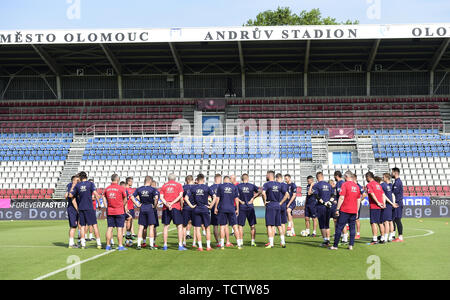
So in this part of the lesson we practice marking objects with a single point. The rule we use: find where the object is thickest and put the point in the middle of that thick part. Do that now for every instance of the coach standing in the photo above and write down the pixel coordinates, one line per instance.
(347, 209)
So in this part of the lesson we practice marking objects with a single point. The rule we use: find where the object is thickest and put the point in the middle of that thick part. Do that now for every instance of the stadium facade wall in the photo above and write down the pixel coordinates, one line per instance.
(31, 87)
(274, 85)
(204, 86)
(89, 87)
(337, 84)
(157, 86)
(399, 83)
(442, 83)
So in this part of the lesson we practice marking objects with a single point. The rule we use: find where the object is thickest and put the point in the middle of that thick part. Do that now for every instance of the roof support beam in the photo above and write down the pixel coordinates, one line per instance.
(49, 61)
(438, 55)
(307, 54)
(54, 67)
(242, 63)
(179, 64)
(112, 59)
(373, 54)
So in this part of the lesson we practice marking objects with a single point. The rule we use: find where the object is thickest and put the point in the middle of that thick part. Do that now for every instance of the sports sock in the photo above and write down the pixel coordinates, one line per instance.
(314, 232)
(83, 242)
(99, 243)
(139, 241)
(200, 245)
(112, 241)
(345, 237)
(91, 236)
(307, 231)
(208, 244)
(71, 242)
(357, 233)
(271, 241)
(188, 232)
(282, 240)
(152, 242)
(386, 236)
(253, 241)
(374, 238)
(222, 241)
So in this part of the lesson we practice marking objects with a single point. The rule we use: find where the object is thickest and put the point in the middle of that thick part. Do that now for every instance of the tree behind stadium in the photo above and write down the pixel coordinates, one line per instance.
(284, 16)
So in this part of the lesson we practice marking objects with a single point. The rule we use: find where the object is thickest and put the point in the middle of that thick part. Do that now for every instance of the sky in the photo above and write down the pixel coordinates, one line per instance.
(100, 14)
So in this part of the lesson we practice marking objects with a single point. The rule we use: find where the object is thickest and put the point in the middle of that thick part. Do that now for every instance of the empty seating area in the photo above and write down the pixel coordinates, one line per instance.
(411, 145)
(250, 146)
(101, 171)
(362, 113)
(67, 116)
(31, 164)
(424, 176)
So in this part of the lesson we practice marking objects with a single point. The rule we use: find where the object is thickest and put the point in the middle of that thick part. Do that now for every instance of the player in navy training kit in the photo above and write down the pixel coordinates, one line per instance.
(274, 195)
(323, 192)
(214, 220)
(248, 192)
(291, 203)
(72, 213)
(389, 231)
(283, 212)
(310, 207)
(148, 200)
(337, 191)
(187, 212)
(397, 189)
(363, 195)
(198, 199)
(82, 201)
(227, 209)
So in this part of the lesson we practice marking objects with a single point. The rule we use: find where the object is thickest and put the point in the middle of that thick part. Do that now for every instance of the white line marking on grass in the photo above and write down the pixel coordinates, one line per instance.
(25, 246)
(81, 262)
(429, 232)
(73, 265)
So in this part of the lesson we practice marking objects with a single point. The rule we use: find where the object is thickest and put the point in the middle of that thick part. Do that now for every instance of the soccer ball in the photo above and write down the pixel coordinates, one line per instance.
(128, 243)
(303, 233)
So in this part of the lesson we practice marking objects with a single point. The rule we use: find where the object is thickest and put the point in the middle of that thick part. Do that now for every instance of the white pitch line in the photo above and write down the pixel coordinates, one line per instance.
(25, 246)
(429, 232)
(81, 262)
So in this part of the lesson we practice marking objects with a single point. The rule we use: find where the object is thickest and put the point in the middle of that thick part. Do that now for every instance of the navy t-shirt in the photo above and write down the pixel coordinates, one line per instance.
(387, 189)
(83, 192)
(69, 200)
(397, 190)
(246, 193)
(275, 192)
(146, 196)
(310, 199)
(338, 189)
(323, 190)
(227, 192)
(186, 189)
(200, 194)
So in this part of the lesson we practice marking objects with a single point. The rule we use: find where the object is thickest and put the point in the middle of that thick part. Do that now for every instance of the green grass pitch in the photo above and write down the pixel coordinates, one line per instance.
(31, 249)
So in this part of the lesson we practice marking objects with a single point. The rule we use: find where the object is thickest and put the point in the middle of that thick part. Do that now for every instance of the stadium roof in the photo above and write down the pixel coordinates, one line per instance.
(226, 50)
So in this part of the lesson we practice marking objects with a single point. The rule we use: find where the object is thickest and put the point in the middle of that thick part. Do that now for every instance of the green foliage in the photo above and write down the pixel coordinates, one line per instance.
(284, 16)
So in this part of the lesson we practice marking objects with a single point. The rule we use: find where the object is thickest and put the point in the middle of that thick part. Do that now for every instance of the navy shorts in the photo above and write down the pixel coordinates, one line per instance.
(310, 211)
(376, 216)
(224, 218)
(147, 217)
(293, 205)
(214, 219)
(132, 214)
(172, 215)
(156, 217)
(88, 217)
(273, 216)
(117, 221)
(187, 216)
(387, 214)
(398, 213)
(72, 215)
(201, 217)
(333, 211)
(246, 214)
(323, 215)
(283, 215)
